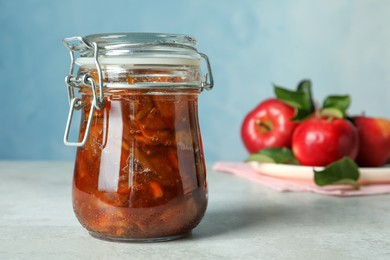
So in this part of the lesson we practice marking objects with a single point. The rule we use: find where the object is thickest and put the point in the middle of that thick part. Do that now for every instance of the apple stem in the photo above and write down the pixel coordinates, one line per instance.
(264, 125)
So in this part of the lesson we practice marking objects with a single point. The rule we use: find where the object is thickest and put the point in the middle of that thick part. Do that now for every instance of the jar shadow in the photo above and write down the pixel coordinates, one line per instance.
(233, 219)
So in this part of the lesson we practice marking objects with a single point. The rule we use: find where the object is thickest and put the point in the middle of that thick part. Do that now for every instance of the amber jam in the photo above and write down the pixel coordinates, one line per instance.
(140, 172)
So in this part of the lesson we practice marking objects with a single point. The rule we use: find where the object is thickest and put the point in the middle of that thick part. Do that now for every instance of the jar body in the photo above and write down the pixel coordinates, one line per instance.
(141, 174)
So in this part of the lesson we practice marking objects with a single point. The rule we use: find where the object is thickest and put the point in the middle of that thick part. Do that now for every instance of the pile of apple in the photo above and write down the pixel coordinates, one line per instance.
(316, 136)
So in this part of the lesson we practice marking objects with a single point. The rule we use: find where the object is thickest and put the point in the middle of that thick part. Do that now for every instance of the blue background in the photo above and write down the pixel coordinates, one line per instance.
(342, 46)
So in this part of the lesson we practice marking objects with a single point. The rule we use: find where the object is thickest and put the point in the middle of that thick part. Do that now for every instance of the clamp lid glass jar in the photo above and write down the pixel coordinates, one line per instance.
(140, 170)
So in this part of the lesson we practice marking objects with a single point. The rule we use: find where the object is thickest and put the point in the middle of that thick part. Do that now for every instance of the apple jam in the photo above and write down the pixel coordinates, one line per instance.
(142, 173)
(139, 173)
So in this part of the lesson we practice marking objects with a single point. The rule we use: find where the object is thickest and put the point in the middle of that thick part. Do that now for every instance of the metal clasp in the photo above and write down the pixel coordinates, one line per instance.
(208, 82)
(76, 104)
(82, 47)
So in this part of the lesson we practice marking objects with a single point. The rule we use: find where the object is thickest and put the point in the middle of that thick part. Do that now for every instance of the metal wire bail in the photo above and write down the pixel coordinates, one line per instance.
(208, 82)
(82, 47)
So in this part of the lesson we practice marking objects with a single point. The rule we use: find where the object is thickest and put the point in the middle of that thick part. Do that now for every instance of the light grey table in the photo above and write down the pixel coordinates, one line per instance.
(244, 221)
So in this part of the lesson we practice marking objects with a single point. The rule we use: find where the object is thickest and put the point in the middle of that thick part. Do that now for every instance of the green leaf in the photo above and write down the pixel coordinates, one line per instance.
(305, 87)
(339, 102)
(301, 115)
(343, 171)
(331, 112)
(258, 157)
(293, 98)
(274, 155)
(301, 99)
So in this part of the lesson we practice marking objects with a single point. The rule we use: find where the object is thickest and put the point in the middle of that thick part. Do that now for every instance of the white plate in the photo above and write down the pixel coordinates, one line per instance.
(305, 173)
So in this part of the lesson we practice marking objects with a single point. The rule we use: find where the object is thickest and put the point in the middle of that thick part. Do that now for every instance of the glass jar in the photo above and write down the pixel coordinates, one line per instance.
(140, 171)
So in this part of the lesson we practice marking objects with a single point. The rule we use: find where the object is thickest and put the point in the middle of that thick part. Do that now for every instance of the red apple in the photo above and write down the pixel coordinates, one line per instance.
(374, 134)
(268, 125)
(320, 141)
